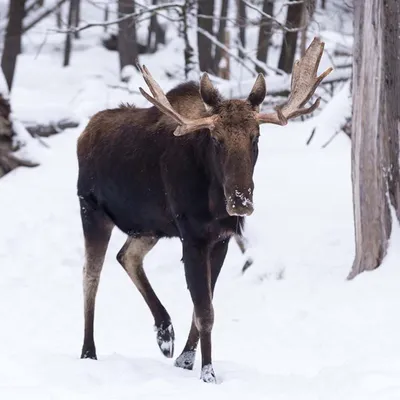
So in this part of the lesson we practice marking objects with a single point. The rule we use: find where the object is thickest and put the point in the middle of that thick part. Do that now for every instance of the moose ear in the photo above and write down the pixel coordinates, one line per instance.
(258, 92)
(210, 95)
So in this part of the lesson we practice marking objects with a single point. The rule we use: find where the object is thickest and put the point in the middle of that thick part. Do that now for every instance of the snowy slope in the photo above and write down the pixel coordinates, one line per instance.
(291, 328)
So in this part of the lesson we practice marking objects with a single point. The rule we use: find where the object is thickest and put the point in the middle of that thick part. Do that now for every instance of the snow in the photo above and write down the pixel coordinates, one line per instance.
(292, 327)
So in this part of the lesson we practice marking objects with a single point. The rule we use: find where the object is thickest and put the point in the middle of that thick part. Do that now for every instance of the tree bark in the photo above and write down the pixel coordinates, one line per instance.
(205, 7)
(375, 129)
(241, 21)
(77, 17)
(73, 4)
(156, 33)
(127, 45)
(289, 42)
(12, 43)
(221, 33)
(265, 33)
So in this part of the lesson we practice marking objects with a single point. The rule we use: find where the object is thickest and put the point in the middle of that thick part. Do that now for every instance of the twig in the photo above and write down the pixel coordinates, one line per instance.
(222, 46)
(42, 16)
(264, 14)
(311, 136)
(150, 10)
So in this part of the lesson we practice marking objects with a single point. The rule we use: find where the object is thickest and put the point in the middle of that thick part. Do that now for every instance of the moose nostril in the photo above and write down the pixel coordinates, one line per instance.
(243, 199)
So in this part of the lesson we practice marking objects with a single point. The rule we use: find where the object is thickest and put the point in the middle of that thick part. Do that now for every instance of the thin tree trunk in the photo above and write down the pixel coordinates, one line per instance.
(375, 129)
(221, 33)
(59, 17)
(68, 37)
(264, 33)
(289, 42)
(323, 4)
(12, 43)
(127, 45)
(106, 15)
(77, 17)
(241, 21)
(303, 33)
(205, 7)
(156, 34)
(188, 52)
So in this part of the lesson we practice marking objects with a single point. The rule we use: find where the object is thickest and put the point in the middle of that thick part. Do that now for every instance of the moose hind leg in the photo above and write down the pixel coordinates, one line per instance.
(97, 230)
(187, 357)
(131, 258)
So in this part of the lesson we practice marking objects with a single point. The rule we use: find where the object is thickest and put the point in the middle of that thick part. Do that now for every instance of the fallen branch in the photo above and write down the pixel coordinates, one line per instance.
(46, 130)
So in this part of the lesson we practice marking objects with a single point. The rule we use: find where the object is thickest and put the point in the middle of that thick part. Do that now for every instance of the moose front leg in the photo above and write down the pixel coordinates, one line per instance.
(187, 357)
(202, 270)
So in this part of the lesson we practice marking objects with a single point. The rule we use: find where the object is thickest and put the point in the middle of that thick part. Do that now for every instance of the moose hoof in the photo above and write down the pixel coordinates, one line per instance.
(207, 374)
(186, 360)
(165, 339)
(89, 353)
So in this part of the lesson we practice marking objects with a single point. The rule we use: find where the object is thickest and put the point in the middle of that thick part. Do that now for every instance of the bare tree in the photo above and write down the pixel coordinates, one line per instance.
(127, 44)
(77, 17)
(289, 41)
(241, 22)
(12, 43)
(221, 33)
(206, 8)
(156, 34)
(73, 5)
(375, 129)
(265, 33)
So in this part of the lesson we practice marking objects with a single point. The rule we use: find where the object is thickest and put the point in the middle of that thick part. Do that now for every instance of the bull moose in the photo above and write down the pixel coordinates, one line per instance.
(181, 168)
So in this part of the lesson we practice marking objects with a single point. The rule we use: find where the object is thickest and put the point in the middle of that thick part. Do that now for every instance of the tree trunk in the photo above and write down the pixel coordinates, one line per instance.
(323, 4)
(77, 17)
(59, 17)
(289, 42)
(156, 33)
(241, 21)
(73, 4)
(205, 7)
(106, 15)
(188, 52)
(375, 129)
(221, 34)
(12, 43)
(127, 45)
(8, 161)
(265, 33)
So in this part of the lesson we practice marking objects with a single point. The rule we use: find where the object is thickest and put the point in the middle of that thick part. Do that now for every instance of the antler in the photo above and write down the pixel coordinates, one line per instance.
(159, 99)
(304, 83)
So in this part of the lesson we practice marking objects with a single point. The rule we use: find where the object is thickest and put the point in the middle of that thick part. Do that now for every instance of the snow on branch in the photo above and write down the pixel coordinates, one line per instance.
(265, 15)
(223, 47)
(147, 10)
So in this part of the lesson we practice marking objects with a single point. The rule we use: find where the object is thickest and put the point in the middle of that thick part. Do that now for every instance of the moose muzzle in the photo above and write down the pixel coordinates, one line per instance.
(240, 203)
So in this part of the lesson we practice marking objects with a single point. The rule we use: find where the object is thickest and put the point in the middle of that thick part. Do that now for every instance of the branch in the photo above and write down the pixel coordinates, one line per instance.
(42, 16)
(137, 14)
(258, 63)
(265, 15)
(222, 46)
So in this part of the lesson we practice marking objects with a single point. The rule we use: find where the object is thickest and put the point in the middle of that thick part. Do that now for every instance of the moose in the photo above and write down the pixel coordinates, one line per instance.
(182, 168)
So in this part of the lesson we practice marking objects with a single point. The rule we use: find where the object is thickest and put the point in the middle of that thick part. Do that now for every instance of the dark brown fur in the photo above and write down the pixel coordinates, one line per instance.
(135, 174)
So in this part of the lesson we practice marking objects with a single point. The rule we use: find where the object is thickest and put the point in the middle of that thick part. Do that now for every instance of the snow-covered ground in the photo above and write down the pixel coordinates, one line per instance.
(291, 328)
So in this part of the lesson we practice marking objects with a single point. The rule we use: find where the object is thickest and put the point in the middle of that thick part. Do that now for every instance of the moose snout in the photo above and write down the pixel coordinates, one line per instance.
(240, 203)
